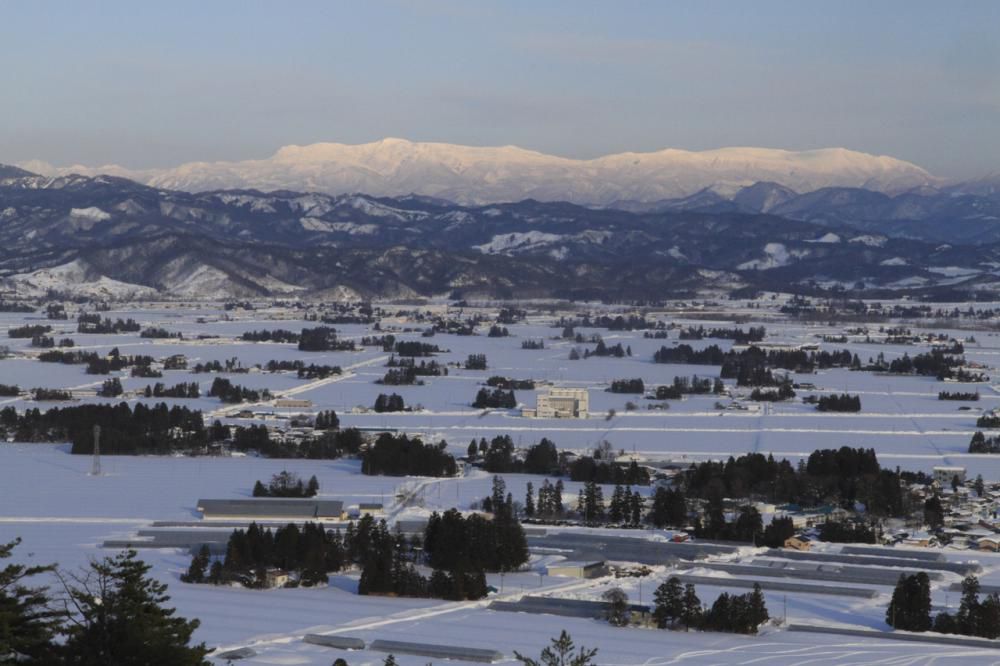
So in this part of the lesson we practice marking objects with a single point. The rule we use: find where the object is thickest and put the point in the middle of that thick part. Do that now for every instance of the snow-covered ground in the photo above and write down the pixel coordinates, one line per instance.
(48, 498)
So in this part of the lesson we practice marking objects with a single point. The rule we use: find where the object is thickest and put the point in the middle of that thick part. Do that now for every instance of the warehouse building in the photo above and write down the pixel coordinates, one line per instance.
(271, 509)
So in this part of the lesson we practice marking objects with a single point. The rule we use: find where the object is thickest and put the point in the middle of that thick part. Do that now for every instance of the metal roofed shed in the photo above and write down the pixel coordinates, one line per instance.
(274, 509)
(439, 651)
(586, 570)
(339, 642)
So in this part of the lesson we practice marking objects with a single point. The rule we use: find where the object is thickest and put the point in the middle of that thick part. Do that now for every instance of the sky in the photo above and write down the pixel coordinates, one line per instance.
(157, 83)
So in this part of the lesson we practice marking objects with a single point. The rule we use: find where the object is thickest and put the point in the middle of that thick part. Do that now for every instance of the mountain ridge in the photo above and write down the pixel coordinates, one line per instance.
(475, 175)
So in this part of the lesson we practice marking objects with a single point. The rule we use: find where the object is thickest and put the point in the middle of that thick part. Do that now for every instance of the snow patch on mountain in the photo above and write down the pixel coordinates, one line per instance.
(869, 240)
(829, 237)
(78, 279)
(775, 256)
(518, 242)
(92, 213)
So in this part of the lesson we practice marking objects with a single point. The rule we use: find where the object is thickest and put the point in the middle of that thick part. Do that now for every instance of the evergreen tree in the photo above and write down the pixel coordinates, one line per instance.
(313, 486)
(691, 615)
(668, 603)
(968, 609)
(560, 653)
(119, 618)
(529, 501)
(27, 623)
(199, 565)
(758, 614)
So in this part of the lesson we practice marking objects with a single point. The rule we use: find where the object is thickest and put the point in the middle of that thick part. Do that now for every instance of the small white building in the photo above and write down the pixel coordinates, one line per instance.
(561, 403)
(943, 475)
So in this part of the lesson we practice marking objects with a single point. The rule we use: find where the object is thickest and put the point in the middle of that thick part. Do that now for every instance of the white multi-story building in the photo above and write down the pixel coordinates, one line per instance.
(561, 403)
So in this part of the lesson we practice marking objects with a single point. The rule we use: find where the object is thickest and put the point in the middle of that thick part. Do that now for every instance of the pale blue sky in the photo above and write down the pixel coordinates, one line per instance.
(158, 83)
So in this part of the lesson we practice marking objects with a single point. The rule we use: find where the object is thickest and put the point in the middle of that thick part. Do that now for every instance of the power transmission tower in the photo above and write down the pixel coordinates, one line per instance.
(96, 469)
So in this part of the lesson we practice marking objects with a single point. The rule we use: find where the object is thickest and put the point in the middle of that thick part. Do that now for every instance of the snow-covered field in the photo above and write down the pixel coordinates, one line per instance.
(63, 514)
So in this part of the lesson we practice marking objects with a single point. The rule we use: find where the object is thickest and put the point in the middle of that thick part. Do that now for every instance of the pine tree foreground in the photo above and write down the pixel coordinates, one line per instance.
(560, 653)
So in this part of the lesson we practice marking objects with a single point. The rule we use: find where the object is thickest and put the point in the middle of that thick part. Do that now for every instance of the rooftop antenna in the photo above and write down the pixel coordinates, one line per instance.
(96, 469)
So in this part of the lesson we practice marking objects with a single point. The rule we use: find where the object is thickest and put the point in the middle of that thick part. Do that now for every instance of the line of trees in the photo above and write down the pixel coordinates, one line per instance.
(910, 609)
(226, 391)
(676, 604)
(323, 338)
(286, 484)
(839, 403)
(495, 399)
(182, 390)
(399, 455)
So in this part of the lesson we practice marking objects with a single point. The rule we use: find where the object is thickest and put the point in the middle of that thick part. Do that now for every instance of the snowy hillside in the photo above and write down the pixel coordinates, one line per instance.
(474, 175)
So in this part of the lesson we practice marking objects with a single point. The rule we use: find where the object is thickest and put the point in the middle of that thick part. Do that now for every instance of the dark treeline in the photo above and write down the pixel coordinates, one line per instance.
(323, 338)
(413, 348)
(533, 344)
(456, 543)
(627, 386)
(460, 550)
(616, 323)
(677, 605)
(182, 390)
(327, 445)
(959, 395)
(424, 368)
(161, 429)
(839, 476)
(389, 403)
(158, 333)
(846, 531)
(736, 364)
(231, 365)
(475, 362)
(226, 391)
(406, 370)
(498, 456)
(495, 399)
(124, 430)
(694, 386)
(838, 403)
(910, 609)
(277, 335)
(304, 371)
(92, 323)
(399, 455)
(96, 364)
(498, 332)
(9, 391)
(496, 381)
(980, 443)
(286, 484)
(111, 388)
(29, 330)
(586, 468)
(935, 363)
(737, 335)
(46, 394)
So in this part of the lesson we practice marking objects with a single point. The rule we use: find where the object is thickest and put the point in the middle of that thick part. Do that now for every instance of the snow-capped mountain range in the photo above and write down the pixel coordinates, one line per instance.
(478, 175)
(109, 237)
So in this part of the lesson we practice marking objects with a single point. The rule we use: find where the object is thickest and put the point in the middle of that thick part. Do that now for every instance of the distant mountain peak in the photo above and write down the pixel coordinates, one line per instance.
(479, 175)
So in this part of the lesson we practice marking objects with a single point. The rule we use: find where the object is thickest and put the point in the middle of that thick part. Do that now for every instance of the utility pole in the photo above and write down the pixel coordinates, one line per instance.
(95, 469)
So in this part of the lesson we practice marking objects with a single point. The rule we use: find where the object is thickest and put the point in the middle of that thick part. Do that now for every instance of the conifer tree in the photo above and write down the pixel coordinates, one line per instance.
(27, 623)
(118, 617)
(668, 603)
